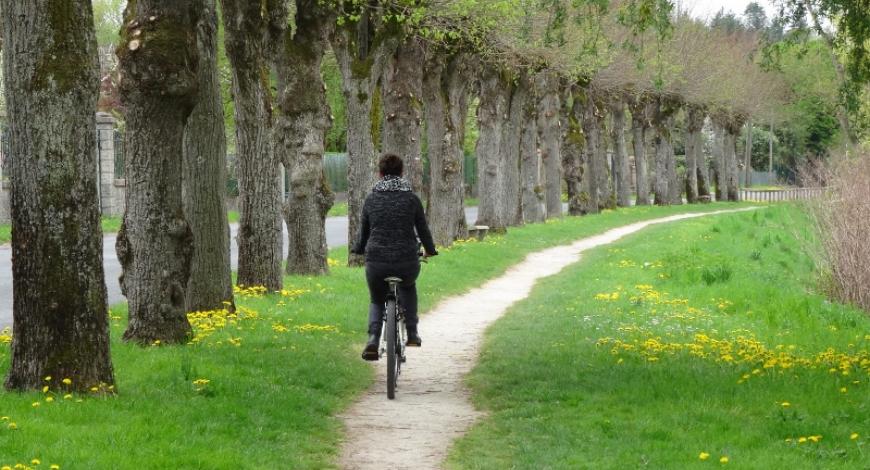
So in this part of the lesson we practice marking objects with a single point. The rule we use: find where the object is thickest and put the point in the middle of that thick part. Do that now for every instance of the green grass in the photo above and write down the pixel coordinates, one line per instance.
(271, 401)
(337, 210)
(595, 369)
(5, 233)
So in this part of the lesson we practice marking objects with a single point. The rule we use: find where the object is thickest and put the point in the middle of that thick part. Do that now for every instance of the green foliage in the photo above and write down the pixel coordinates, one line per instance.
(336, 138)
(560, 391)
(108, 15)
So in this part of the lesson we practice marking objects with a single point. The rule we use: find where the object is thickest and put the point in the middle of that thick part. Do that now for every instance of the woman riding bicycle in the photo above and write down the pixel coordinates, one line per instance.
(391, 214)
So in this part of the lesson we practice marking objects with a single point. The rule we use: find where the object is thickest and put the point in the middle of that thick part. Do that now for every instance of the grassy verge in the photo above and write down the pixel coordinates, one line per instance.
(337, 210)
(277, 373)
(677, 347)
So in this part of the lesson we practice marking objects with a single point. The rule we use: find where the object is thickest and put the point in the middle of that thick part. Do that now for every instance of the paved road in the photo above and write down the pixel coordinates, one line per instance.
(336, 235)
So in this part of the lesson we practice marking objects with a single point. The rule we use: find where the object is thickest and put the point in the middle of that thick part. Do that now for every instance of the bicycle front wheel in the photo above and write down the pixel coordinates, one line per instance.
(392, 351)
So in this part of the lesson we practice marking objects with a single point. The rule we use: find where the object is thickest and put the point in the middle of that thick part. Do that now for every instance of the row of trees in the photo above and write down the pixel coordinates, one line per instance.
(554, 80)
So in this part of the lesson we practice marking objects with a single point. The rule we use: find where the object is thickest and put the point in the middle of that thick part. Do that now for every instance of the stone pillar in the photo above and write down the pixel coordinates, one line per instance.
(106, 161)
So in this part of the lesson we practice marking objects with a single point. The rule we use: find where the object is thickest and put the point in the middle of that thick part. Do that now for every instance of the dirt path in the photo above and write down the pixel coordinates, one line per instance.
(432, 406)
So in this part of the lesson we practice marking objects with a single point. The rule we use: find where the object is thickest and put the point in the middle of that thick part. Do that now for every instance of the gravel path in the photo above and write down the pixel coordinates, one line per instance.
(432, 406)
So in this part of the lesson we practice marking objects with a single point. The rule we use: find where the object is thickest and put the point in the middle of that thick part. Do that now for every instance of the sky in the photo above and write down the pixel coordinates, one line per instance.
(708, 8)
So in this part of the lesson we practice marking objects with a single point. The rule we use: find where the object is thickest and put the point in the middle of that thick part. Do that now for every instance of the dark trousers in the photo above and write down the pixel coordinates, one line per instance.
(378, 290)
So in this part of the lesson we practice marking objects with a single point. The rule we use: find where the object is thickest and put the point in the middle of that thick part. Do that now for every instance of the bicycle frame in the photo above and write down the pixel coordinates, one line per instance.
(393, 332)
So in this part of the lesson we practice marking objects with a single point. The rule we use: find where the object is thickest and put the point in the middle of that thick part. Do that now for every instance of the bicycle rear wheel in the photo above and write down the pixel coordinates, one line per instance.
(392, 351)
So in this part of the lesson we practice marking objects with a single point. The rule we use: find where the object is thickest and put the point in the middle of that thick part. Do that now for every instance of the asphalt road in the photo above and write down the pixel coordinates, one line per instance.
(336, 235)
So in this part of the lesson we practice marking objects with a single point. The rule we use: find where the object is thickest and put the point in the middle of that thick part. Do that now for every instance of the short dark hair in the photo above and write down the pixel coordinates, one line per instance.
(390, 164)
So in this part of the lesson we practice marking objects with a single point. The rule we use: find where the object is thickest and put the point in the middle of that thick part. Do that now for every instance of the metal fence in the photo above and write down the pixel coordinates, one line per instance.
(118, 146)
(780, 195)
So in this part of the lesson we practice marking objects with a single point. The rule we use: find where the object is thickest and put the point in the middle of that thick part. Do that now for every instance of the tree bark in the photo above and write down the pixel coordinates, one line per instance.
(719, 158)
(403, 109)
(550, 140)
(158, 61)
(592, 125)
(497, 150)
(747, 160)
(259, 237)
(704, 180)
(694, 155)
(663, 123)
(573, 143)
(639, 126)
(531, 190)
(445, 94)
(59, 293)
(620, 154)
(732, 130)
(301, 123)
(361, 66)
(204, 180)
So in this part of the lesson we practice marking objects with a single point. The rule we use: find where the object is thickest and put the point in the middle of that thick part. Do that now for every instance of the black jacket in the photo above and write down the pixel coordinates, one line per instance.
(391, 214)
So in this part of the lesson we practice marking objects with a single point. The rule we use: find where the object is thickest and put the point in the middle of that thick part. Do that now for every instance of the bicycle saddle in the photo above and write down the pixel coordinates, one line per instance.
(393, 279)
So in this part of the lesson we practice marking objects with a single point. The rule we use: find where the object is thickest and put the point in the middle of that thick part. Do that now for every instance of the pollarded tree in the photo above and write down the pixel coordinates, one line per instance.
(59, 303)
(531, 180)
(362, 45)
(403, 108)
(204, 180)
(695, 163)
(301, 123)
(621, 165)
(158, 60)
(547, 91)
(663, 117)
(249, 33)
(640, 108)
(446, 84)
(573, 144)
(499, 116)
(593, 125)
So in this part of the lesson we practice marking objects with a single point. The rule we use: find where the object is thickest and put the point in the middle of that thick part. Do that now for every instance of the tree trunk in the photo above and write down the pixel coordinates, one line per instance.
(445, 94)
(694, 155)
(531, 190)
(719, 158)
(704, 180)
(675, 187)
(663, 122)
(301, 123)
(747, 160)
(204, 180)
(259, 174)
(59, 292)
(639, 126)
(732, 130)
(402, 101)
(360, 67)
(592, 118)
(158, 60)
(497, 150)
(620, 155)
(550, 139)
(573, 143)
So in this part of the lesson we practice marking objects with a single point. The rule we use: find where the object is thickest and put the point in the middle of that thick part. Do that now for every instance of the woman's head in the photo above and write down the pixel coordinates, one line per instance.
(390, 165)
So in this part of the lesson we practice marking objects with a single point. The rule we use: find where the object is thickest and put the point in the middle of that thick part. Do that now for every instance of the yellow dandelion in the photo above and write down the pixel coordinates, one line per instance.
(35, 404)
(67, 381)
(35, 462)
(49, 399)
(844, 390)
(4, 418)
(45, 389)
(703, 456)
(723, 460)
(12, 426)
(67, 396)
(854, 436)
(815, 438)
(802, 440)
(54, 467)
(785, 404)
(6, 467)
(47, 378)
(95, 389)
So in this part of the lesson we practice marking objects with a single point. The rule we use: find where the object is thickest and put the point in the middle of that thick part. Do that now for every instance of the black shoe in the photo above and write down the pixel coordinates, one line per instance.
(413, 339)
(370, 352)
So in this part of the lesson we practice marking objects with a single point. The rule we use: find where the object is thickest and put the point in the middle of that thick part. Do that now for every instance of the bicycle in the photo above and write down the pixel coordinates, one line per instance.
(393, 339)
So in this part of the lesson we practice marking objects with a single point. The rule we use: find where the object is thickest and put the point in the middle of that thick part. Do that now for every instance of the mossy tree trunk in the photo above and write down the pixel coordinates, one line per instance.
(158, 60)
(694, 152)
(247, 28)
(573, 143)
(732, 171)
(204, 180)
(719, 172)
(550, 139)
(59, 316)
(301, 123)
(620, 154)
(663, 117)
(403, 109)
(640, 110)
(531, 190)
(361, 59)
(445, 95)
(592, 128)
(497, 149)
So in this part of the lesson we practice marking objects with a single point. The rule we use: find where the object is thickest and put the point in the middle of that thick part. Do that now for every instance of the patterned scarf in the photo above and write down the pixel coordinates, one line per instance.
(392, 183)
